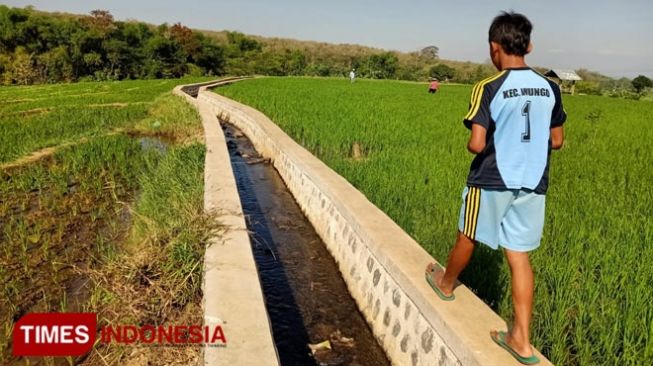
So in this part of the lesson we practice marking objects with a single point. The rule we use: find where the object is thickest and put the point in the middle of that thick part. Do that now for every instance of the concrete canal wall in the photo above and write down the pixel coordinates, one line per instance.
(233, 298)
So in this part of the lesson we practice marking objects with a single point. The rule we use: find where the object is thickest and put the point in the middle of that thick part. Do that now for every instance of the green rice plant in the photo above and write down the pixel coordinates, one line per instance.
(70, 212)
(593, 272)
(176, 225)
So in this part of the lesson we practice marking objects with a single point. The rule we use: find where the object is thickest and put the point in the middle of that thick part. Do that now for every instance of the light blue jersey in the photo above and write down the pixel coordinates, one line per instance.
(504, 202)
(518, 107)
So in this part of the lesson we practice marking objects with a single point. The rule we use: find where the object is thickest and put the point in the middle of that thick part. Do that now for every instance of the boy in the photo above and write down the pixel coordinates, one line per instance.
(515, 118)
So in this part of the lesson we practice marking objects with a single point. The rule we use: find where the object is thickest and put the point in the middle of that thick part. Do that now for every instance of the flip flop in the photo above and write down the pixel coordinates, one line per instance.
(500, 339)
(435, 288)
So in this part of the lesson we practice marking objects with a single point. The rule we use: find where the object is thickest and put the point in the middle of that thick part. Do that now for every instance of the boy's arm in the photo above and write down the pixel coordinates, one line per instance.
(476, 143)
(558, 118)
(478, 118)
(557, 137)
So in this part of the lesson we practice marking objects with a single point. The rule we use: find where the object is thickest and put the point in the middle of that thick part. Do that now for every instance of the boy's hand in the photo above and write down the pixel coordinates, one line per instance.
(557, 137)
(476, 142)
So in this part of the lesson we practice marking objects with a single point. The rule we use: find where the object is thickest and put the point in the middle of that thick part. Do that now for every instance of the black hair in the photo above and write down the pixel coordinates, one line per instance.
(512, 31)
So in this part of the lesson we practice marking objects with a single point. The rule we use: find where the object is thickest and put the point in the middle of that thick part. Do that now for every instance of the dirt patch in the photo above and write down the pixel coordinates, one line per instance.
(22, 100)
(27, 113)
(116, 105)
(38, 155)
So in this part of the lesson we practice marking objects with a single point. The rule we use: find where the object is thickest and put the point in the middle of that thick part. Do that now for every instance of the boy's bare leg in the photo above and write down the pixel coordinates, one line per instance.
(522, 298)
(458, 259)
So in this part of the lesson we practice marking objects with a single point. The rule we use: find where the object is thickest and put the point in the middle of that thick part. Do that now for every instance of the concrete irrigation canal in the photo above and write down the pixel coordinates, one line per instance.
(306, 298)
(307, 270)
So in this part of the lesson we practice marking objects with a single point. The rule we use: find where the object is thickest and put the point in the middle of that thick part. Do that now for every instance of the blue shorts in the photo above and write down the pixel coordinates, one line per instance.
(512, 219)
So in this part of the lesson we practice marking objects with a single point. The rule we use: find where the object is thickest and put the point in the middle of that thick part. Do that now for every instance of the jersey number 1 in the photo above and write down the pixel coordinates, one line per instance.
(525, 111)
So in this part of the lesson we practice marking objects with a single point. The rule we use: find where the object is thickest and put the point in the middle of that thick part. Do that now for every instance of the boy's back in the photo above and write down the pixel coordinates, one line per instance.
(517, 107)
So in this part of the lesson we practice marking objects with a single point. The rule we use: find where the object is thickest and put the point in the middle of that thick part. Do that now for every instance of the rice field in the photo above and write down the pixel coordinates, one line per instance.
(594, 279)
(101, 210)
(37, 117)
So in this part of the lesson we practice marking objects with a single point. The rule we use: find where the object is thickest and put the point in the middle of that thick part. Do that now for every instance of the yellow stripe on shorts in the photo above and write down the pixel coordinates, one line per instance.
(472, 208)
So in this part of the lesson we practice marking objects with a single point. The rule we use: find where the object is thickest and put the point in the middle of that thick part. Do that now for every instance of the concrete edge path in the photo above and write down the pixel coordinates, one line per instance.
(462, 326)
(233, 297)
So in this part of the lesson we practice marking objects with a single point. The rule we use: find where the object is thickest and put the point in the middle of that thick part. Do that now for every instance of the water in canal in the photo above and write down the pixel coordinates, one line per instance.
(306, 298)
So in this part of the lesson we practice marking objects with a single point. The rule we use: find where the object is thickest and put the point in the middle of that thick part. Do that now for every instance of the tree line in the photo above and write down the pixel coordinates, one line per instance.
(594, 83)
(40, 47)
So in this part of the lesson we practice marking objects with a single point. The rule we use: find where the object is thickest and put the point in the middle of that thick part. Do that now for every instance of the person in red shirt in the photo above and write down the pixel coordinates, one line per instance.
(434, 85)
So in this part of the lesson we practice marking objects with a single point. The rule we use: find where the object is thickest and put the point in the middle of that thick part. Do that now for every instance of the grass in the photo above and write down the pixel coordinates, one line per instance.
(156, 279)
(110, 220)
(593, 272)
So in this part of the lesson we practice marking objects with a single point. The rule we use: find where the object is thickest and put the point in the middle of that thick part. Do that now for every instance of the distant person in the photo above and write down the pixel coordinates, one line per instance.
(516, 118)
(352, 75)
(434, 86)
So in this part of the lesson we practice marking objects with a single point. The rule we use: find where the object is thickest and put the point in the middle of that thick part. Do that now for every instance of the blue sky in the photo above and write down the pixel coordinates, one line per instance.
(613, 37)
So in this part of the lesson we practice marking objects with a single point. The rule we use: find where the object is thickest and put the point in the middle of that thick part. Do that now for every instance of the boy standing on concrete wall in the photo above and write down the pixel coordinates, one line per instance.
(516, 118)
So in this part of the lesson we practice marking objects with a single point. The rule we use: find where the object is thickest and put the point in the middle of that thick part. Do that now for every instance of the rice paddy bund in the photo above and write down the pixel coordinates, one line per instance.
(405, 150)
(101, 191)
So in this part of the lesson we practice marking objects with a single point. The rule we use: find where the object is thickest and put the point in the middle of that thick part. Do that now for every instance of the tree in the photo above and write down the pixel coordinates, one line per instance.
(135, 35)
(642, 82)
(295, 62)
(166, 58)
(21, 70)
(429, 52)
(188, 40)
(211, 58)
(482, 71)
(101, 21)
(588, 75)
(318, 69)
(240, 43)
(380, 66)
(442, 72)
(270, 63)
(55, 65)
(119, 57)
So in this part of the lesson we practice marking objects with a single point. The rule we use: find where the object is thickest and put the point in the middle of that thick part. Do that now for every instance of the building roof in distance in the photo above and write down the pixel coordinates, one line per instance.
(567, 75)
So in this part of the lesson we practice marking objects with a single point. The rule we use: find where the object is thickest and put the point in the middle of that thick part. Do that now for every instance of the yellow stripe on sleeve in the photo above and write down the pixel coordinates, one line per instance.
(475, 92)
(478, 94)
(472, 98)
